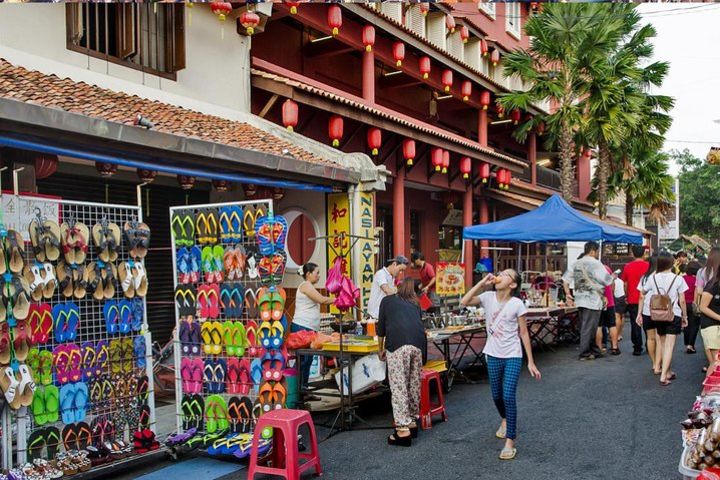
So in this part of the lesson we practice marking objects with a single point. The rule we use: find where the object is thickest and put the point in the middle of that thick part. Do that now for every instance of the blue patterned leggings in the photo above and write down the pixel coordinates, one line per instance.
(504, 374)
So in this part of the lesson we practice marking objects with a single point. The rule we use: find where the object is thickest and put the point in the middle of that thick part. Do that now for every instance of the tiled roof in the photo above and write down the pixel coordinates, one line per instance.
(327, 91)
(34, 87)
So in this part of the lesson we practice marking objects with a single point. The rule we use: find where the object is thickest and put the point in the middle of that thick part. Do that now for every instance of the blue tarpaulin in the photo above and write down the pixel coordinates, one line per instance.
(553, 221)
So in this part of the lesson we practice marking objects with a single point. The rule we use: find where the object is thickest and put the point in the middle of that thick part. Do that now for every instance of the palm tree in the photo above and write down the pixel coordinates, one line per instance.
(570, 44)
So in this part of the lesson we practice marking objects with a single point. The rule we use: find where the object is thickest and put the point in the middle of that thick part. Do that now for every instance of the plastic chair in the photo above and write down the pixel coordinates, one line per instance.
(286, 456)
(427, 408)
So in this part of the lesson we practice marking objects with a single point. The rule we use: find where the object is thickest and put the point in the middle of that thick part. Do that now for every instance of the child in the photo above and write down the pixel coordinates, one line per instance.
(506, 330)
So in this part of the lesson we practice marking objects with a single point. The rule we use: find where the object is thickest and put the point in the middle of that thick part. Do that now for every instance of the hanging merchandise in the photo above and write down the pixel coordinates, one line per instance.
(73, 341)
(231, 325)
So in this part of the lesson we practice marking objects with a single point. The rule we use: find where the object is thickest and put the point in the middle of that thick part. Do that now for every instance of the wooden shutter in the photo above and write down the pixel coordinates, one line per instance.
(473, 54)
(436, 29)
(415, 20)
(392, 10)
(178, 37)
(127, 30)
(455, 45)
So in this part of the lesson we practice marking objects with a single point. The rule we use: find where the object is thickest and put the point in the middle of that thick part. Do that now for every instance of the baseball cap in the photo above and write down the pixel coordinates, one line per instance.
(400, 260)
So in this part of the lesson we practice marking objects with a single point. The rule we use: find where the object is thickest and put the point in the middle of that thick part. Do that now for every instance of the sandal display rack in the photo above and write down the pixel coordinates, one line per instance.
(101, 373)
(230, 323)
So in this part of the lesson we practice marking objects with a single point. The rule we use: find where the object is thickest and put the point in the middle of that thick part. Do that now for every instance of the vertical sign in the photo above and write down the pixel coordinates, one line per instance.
(367, 247)
(338, 221)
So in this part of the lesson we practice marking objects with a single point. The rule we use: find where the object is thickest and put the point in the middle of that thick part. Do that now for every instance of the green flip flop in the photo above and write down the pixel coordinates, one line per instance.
(52, 403)
(211, 421)
(221, 413)
(33, 361)
(228, 338)
(46, 367)
(207, 259)
(218, 255)
(38, 407)
(186, 412)
(239, 340)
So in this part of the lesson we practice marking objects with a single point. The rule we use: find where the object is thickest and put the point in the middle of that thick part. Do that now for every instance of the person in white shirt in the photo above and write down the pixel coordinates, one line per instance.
(384, 283)
(620, 302)
(507, 334)
(663, 282)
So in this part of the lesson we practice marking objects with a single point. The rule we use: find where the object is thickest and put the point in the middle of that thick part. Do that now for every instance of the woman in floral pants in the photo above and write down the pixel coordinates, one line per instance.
(402, 342)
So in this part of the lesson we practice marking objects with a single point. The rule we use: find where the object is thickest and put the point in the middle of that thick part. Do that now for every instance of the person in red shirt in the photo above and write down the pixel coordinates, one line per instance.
(631, 274)
(427, 276)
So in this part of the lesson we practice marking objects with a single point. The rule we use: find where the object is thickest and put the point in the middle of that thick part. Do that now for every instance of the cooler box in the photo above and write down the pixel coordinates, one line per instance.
(368, 371)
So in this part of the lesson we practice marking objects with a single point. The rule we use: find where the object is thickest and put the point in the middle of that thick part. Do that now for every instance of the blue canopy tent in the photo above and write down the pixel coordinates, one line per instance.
(553, 221)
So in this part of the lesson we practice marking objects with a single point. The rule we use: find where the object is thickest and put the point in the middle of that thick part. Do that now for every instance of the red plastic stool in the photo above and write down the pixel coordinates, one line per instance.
(285, 457)
(427, 408)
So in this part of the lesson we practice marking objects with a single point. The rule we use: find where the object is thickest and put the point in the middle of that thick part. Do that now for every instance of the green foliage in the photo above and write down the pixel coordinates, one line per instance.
(699, 194)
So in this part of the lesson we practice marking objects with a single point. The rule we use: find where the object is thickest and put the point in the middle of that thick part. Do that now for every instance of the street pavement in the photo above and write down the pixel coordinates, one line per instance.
(604, 419)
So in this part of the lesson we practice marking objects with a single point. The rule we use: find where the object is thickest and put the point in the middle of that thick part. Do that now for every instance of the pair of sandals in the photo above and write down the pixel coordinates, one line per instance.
(107, 237)
(238, 380)
(133, 279)
(73, 402)
(230, 219)
(207, 226)
(271, 396)
(17, 386)
(192, 408)
(144, 441)
(271, 268)
(12, 251)
(240, 413)
(102, 280)
(216, 414)
(272, 334)
(229, 444)
(121, 355)
(94, 359)
(102, 393)
(234, 338)
(271, 233)
(212, 263)
(212, 334)
(66, 320)
(232, 296)
(271, 303)
(45, 238)
(73, 462)
(273, 365)
(46, 405)
(214, 373)
(72, 279)
(264, 445)
(15, 301)
(68, 360)
(76, 437)
(208, 300)
(123, 316)
(40, 439)
(186, 300)
(251, 215)
(234, 261)
(183, 229)
(41, 280)
(179, 438)
(40, 320)
(191, 374)
(188, 264)
(41, 366)
(189, 335)
(74, 237)
(137, 235)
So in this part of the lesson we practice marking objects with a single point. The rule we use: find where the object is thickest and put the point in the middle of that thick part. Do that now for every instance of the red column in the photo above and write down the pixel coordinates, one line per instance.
(484, 218)
(583, 176)
(368, 76)
(467, 221)
(399, 214)
(483, 127)
(532, 156)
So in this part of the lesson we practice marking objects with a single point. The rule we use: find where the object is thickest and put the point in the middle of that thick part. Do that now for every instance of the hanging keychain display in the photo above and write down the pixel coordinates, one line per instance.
(229, 343)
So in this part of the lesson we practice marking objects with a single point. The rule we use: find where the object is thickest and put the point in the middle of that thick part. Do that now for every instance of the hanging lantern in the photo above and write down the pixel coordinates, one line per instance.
(450, 23)
(147, 176)
(508, 179)
(466, 90)
(106, 169)
(221, 185)
(250, 190)
(500, 178)
(447, 79)
(290, 114)
(293, 7)
(249, 20)
(436, 157)
(464, 34)
(500, 110)
(424, 8)
(424, 65)
(186, 182)
(335, 129)
(45, 165)
(484, 47)
(485, 99)
(334, 18)
(484, 172)
(278, 193)
(465, 167)
(408, 147)
(540, 128)
(446, 161)
(374, 139)
(368, 37)
(587, 153)
(495, 57)
(515, 116)
(398, 53)
(221, 9)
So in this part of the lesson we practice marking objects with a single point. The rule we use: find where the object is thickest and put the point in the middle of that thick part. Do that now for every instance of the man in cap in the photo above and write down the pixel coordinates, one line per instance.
(384, 283)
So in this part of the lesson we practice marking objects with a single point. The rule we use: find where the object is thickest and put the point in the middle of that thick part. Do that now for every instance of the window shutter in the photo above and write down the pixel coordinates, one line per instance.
(473, 54)
(178, 37)
(392, 10)
(126, 30)
(456, 47)
(415, 20)
(436, 29)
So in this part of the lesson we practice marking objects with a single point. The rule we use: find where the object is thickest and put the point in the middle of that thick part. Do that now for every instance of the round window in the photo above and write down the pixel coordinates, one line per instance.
(302, 228)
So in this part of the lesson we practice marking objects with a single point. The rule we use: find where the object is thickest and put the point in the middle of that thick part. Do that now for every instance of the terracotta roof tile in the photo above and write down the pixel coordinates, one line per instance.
(34, 87)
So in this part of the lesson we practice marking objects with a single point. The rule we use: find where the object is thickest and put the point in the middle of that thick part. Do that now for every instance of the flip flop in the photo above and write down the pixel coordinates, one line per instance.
(273, 365)
(216, 334)
(212, 230)
(207, 260)
(246, 408)
(256, 371)
(208, 370)
(106, 237)
(251, 341)
(238, 338)
(265, 270)
(81, 276)
(126, 312)
(81, 398)
(225, 225)
(33, 320)
(95, 285)
(179, 232)
(278, 303)
(249, 221)
(195, 340)
(74, 362)
(182, 261)
(38, 407)
(221, 414)
(61, 356)
(245, 379)
(33, 361)
(219, 374)
(143, 389)
(236, 214)
(195, 264)
(217, 258)
(264, 236)
(138, 238)
(278, 332)
(5, 347)
(67, 403)
(20, 297)
(185, 374)
(140, 351)
(197, 367)
(228, 338)
(279, 231)
(50, 281)
(72, 315)
(138, 314)
(279, 396)
(176, 439)
(266, 397)
(252, 259)
(127, 349)
(203, 301)
(279, 260)
(237, 296)
(186, 413)
(70, 437)
(52, 403)
(186, 301)
(206, 338)
(115, 356)
(508, 453)
(200, 227)
(36, 443)
(102, 359)
(184, 337)
(46, 366)
(59, 322)
(232, 379)
(45, 326)
(225, 300)
(265, 304)
(84, 435)
(211, 421)
(265, 335)
(89, 359)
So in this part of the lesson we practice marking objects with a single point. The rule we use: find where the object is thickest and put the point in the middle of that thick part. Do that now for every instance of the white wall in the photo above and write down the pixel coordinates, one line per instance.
(218, 71)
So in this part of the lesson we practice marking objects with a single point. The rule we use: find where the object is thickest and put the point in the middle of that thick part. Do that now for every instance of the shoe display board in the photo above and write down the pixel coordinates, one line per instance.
(230, 307)
(75, 361)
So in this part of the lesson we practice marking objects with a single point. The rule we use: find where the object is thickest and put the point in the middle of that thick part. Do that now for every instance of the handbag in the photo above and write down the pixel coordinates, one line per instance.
(661, 305)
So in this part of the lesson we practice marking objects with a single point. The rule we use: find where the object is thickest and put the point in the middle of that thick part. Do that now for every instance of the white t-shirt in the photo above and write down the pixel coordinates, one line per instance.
(503, 337)
(382, 277)
(664, 281)
(619, 290)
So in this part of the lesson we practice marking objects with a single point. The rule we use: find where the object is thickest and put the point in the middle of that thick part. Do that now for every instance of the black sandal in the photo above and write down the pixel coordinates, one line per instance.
(399, 441)
(414, 431)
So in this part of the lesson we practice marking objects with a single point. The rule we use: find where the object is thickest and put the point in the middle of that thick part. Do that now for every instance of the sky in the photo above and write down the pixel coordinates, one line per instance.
(688, 37)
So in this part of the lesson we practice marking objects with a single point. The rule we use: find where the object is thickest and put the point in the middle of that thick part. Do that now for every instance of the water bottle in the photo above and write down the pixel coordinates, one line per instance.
(358, 328)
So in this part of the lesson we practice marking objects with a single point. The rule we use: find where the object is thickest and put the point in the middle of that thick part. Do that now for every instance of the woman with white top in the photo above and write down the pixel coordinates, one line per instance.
(663, 282)
(307, 310)
(620, 303)
(507, 334)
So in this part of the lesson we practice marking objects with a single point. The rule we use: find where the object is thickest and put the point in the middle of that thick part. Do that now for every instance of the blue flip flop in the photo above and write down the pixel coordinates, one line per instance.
(138, 314)
(140, 351)
(256, 372)
(126, 313)
(72, 315)
(111, 312)
(237, 294)
(81, 399)
(59, 322)
(195, 261)
(67, 403)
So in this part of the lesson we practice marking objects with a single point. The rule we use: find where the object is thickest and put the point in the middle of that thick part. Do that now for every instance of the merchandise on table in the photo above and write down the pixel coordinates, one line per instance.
(231, 325)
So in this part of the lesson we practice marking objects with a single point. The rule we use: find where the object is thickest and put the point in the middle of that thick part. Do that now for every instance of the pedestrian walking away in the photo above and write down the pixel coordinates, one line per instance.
(701, 280)
(690, 333)
(620, 303)
(607, 321)
(507, 335)
(631, 275)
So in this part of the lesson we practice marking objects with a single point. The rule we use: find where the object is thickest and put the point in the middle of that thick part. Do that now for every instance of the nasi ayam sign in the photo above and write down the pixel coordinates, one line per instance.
(367, 247)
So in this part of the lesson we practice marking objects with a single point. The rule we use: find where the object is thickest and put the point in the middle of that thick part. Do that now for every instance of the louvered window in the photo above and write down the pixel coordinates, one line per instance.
(473, 54)
(436, 29)
(415, 20)
(392, 10)
(456, 47)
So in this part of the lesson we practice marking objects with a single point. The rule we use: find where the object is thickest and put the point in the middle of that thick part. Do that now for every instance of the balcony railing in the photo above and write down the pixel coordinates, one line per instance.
(546, 177)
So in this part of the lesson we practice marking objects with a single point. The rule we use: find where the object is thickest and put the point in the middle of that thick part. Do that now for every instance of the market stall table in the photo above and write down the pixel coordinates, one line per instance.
(461, 338)
(545, 325)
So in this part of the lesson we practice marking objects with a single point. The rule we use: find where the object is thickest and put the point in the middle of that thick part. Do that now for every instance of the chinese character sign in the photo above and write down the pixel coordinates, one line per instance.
(367, 247)
(338, 222)
(450, 279)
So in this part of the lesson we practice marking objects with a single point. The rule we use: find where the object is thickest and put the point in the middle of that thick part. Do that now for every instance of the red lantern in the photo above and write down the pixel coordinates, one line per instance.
(424, 8)
(249, 20)
(368, 37)
(250, 190)
(540, 128)
(45, 165)
(221, 9)
(500, 177)
(221, 185)
(500, 110)
(335, 129)
(278, 193)
(485, 99)
(293, 6)
(587, 153)
(186, 182)
(290, 114)
(447, 79)
(484, 47)
(450, 23)
(515, 116)
(374, 139)
(495, 57)
(464, 34)
(446, 161)
(147, 176)
(398, 53)
(334, 18)
(106, 169)
(466, 89)
(484, 172)
(465, 167)
(508, 179)
(436, 157)
(409, 151)
(424, 65)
